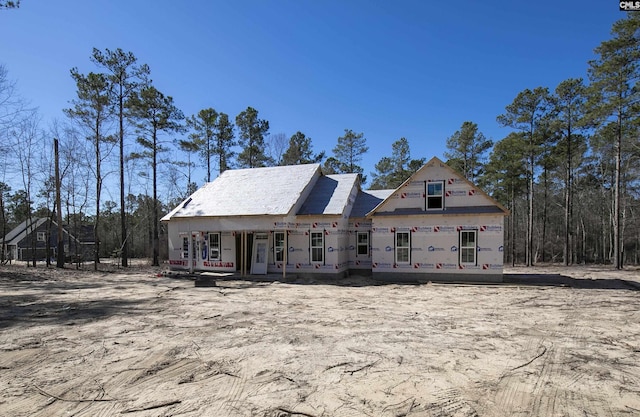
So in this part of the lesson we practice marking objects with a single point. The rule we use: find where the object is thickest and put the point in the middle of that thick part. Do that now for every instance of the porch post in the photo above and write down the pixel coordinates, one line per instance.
(191, 234)
(243, 260)
(284, 257)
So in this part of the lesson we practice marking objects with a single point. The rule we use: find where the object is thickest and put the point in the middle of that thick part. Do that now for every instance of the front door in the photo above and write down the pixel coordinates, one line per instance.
(201, 251)
(259, 261)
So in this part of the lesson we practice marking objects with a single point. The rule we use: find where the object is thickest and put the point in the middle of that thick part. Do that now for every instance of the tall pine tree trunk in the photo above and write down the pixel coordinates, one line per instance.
(567, 201)
(529, 244)
(156, 233)
(123, 212)
(617, 255)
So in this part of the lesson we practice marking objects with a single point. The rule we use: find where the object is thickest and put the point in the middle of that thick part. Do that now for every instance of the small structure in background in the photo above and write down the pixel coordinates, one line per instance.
(32, 239)
(435, 226)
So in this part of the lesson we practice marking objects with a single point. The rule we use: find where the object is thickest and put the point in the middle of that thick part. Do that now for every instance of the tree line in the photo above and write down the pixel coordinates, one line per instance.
(567, 171)
(119, 124)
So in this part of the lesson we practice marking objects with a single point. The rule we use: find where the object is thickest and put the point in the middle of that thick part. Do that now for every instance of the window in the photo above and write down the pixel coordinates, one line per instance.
(42, 236)
(185, 248)
(468, 247)
(435, 195)
(317, 247)
(362, 244)
(278, 246)
(214, 246)
(403, 247)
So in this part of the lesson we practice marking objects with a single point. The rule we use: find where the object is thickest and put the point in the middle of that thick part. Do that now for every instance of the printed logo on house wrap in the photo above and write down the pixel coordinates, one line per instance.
(491, 266)
(446, 266)
(411, 195)
(455, 193)
(388, 249)
(491, 228)
(317, 225)
(459, 228)
(380, 230)
(500, 248)
(434, 249)
(454, 181)
(218, 264)
(484, 249)
(444, 229)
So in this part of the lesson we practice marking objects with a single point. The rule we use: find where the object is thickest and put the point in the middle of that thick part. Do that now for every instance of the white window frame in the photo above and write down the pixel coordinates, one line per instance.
(41, 236)
(362, 245)
(279, 249)
(432, 195)
(402, 249)
(185, 247)
(468, 247)
(215, 246)
(315, 248)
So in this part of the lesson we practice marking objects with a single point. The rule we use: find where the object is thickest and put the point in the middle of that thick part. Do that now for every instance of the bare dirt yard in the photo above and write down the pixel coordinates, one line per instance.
(551, 341)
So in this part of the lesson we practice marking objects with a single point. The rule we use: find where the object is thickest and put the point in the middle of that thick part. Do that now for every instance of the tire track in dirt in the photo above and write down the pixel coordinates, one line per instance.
(543, 385)
(231, 392)
(450, 403)
(512, 398)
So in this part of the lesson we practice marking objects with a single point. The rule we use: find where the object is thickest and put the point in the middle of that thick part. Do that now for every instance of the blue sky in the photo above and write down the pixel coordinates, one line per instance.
(389, 69)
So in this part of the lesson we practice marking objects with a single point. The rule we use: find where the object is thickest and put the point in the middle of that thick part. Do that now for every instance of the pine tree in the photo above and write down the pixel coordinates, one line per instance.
(467, 148)
(252, 133)
(92, 110)
(300, 152)
(155, 113)
(615, 100)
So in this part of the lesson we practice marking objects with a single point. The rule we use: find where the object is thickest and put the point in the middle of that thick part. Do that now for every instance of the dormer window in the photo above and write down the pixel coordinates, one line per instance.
(435, 195)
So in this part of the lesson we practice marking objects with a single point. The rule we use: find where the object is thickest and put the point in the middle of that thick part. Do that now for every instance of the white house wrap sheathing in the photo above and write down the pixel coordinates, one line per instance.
(434, 237)
(436, 225)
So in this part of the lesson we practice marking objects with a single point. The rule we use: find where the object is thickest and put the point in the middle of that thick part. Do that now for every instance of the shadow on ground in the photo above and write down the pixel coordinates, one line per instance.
(558, 280)
(30, 309)
(540, 280)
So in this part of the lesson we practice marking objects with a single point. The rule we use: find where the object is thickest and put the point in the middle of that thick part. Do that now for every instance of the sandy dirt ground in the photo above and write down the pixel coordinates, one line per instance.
(551, 341)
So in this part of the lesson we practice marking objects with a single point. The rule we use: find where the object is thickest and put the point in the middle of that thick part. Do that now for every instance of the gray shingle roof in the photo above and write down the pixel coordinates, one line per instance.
(20, 231)
(247, 192)
(367, 200)
(330, 195)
